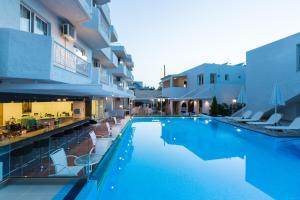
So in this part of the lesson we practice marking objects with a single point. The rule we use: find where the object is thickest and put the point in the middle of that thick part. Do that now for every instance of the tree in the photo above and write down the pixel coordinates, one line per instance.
(214, 107)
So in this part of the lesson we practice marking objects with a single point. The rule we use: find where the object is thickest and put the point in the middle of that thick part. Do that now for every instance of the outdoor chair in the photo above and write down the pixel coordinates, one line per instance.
(109, 129)
(60, 162)
(116, 121)
(100, 145)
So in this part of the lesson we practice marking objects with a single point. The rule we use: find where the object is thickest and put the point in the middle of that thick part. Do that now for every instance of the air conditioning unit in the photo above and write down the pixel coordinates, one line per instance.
(68, 32)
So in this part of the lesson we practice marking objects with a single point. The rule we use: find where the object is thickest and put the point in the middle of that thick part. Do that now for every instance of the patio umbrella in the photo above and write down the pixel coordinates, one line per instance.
(277, 99)
(242, 99)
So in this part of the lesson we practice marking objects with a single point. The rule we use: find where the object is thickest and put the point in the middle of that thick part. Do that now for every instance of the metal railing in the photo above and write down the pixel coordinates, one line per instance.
(67, 60)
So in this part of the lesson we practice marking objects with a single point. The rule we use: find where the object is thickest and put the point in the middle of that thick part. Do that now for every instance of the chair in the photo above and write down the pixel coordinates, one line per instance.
(275, 118)
(295, 125)
(245, 115)
(256, 117)
(116, 122)
(100, 145)
(61, 167)
(109, 129)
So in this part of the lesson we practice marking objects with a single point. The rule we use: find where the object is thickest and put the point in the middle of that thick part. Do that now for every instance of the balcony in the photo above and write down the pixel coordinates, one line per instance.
(102, 2)
(120, 71)
(95, 32)
(74, 10)
(69, 61)
(35, 57)
(107, 58)
(106, 12)
(113, 34)
(174, 92)
(129, 77)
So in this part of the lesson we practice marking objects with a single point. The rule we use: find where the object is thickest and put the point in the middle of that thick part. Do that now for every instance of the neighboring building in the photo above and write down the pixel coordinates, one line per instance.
(62, 49)
(193, 90)
(146, 97)
(275, 63)
(137, 85)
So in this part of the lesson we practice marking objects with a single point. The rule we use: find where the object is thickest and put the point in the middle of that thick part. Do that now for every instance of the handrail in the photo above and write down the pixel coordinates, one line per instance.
(68, 60)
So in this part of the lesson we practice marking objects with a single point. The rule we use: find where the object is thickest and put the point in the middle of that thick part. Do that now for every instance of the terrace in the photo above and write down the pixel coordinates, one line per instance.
(34, 159)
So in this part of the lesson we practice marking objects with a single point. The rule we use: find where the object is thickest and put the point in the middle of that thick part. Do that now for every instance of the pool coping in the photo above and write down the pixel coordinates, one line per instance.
(257, 129)
(105, 161)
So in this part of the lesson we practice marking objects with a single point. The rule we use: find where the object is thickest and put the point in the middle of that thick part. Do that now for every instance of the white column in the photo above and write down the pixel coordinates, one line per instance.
(171, 107)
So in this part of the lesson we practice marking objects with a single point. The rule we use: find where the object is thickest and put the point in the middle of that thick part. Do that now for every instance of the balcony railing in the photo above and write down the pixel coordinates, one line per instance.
(67, 60)
(104, 77)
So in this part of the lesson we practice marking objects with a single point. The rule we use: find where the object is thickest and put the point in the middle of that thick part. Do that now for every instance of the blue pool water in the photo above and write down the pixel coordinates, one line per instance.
(187, 159)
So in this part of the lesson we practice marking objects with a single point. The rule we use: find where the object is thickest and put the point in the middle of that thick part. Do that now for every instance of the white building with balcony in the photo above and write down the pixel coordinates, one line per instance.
(61, 48)
(192, 90)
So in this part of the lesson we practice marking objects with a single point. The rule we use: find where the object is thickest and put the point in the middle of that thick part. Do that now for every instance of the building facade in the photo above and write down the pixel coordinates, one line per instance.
(275, 63)
(192, 90)
(65, 50)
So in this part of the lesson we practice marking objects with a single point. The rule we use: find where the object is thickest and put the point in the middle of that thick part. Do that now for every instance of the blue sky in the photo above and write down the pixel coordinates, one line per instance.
(185, 33)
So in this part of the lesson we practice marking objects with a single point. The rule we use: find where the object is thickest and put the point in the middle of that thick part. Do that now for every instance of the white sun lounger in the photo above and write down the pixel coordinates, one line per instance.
(295, 125)
(245, 115)
(256, 117)
(275, 118)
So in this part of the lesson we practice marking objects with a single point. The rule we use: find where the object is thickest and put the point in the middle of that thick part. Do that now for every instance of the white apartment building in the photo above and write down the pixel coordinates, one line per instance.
(193, 90)
(63, 49)
(274, 63)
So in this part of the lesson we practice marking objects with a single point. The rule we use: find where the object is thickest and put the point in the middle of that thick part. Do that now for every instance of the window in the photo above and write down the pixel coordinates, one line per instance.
(31, 22)
(213, 78)
(40, 26)
(226, 77)
(25, 19)
(166, 84)
(201, 79)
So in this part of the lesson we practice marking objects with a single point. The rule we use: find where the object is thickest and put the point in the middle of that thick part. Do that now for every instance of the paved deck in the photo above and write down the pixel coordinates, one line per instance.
(50, 187)
(260, 129)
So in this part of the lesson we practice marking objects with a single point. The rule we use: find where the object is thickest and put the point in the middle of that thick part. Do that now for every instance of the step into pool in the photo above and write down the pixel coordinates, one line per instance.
(197, 158)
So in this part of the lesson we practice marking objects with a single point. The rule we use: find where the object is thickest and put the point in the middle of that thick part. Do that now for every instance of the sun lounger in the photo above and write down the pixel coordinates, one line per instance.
(295, 125)
(256, 117)
(275, 118)
(245, 115)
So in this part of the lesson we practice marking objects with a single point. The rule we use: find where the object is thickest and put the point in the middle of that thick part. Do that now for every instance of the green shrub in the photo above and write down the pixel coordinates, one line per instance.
(214, 107)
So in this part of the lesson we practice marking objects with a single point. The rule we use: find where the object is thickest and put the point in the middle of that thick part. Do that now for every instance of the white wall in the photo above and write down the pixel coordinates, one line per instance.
(270, 64)
(225, 91)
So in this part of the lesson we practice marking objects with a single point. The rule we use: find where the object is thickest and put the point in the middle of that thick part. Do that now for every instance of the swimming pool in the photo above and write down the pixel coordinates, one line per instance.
(198, 158)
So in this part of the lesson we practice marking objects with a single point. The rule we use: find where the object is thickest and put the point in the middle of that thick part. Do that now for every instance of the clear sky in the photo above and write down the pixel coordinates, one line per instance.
(185, 33)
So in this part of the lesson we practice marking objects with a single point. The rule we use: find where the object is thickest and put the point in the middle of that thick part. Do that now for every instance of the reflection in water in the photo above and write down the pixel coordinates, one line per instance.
(207, 144)
(269, 166)
(184, 158)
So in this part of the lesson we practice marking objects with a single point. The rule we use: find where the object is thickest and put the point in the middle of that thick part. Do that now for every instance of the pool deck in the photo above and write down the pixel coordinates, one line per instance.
(39, 186)
(260, 129)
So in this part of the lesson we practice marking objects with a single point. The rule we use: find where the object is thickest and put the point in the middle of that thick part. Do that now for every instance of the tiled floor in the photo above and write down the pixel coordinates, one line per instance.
(43, 189)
